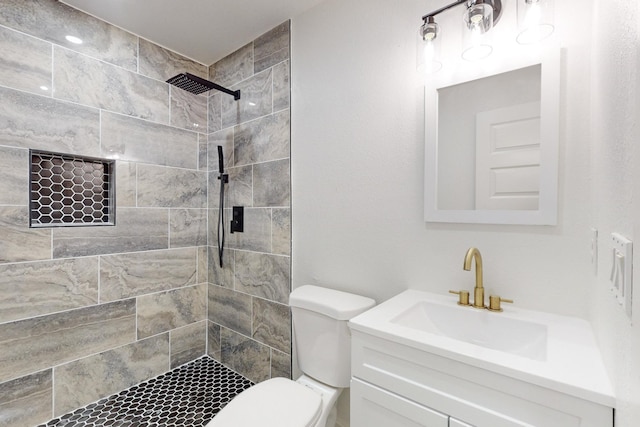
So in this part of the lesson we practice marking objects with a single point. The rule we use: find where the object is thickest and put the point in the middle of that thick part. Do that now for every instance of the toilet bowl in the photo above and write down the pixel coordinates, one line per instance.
(320, 317)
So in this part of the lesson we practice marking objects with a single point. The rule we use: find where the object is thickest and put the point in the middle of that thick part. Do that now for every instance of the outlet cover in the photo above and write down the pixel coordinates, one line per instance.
(622, 271)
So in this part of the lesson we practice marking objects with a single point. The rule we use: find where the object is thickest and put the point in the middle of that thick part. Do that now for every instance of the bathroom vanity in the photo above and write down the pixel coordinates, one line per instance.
(419, 359)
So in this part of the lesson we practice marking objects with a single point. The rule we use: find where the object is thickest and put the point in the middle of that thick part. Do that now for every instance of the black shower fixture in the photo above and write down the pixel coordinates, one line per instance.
(197, 85)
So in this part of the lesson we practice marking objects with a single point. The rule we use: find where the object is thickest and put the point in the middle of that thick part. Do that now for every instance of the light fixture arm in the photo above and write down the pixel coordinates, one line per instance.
(496, 4)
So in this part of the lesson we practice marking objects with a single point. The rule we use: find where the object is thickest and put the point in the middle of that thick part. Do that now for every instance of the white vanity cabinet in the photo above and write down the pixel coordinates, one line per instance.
(394, 384)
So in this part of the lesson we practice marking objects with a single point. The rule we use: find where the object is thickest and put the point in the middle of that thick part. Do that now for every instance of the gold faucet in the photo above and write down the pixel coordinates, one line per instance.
(478, 291)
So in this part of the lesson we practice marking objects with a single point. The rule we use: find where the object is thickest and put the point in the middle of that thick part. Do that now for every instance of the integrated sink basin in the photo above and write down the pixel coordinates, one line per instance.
(548, 350)
(479, 327)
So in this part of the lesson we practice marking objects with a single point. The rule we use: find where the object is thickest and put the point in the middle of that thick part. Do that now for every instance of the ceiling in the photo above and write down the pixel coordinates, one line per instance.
(203, 30)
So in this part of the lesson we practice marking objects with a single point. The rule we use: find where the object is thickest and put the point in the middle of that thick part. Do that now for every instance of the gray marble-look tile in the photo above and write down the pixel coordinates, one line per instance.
(188, 111)
(223, 138)
(130, 275)
(53, 21)
(272, 184)
(31, 121)
(92, 378)
(281, 231)
(162, 64)
(203, 264)
(14, 179)
(34, 344)
(126, 184)
(237, 192)
(160, 186)
(261, 140)
(27, 401)
(187, 227)
(233, 68)
(256, 100)
(230, 309)
(257, 230)
(164, 311)
(188, 343)
(136, 229)
(280, 364)
(281, 86)
(263, 275)
(213, 340)
(272, 47)
(138, 140)
(271, 324)
(214, 112)
(221, 276)
(245, 356)
(25, 62)
(87, 81)
(19, 242)
(43, 287)
(203, 163)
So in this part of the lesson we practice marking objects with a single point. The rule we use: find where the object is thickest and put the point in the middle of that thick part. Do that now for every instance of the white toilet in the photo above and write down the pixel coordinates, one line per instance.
(323, 343)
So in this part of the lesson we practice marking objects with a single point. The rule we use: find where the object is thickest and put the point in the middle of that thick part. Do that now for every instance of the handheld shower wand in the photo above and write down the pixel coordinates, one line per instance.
(224, 179)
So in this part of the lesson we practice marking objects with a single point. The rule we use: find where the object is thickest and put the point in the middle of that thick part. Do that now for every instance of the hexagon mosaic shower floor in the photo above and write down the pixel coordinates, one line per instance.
(186, 396)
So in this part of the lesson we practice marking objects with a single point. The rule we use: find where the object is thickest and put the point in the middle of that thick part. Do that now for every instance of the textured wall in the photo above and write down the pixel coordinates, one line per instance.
(86, 312)
(249, 320)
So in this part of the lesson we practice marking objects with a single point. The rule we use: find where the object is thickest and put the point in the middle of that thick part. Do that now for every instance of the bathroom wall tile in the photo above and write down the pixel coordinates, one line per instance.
(14, 178)
(19, 242)
(188, 111)
(34, 344)
(271, 324)
(280, 364)
(202, 152)
(136, 229)
(25, 62)
(263, 275)
(203, 264)
(125, 184)
(215, 111)
(164, 311)
(237, 192)
(188, 343)
(256, 100)
(272, 47)
(257, 230)
(188, 227)
(225, 139)
(230, 309)
(162, 64)
(87, 81)
(245, 356)
(281, 86)
(143, 141)
(31, 121)
(233, 68)
(86, 380)
(36, 288)
(130, 275)
(53, 20)
(272, 184)
(221, 276)
(27, 401)
(213, 340)
(281, 231)
(160, 186)
(263, 139)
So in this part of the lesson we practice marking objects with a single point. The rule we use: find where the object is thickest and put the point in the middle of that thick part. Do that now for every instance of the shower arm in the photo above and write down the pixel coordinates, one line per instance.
(190, 83)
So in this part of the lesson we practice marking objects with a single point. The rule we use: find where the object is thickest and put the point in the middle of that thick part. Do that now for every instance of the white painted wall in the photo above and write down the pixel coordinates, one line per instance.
(357, 171)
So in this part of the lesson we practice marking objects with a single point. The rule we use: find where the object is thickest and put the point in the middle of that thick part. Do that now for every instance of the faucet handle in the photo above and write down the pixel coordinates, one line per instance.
(494, 303)
(463, 297)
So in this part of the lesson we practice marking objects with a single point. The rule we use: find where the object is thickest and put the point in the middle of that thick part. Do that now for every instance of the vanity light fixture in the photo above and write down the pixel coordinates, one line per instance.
(535, 20)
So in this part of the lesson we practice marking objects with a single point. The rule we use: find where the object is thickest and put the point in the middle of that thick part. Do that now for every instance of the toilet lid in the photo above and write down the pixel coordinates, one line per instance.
(277, 402)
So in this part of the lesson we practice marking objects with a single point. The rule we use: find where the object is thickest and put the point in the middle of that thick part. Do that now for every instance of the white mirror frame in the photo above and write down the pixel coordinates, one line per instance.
(547, 213)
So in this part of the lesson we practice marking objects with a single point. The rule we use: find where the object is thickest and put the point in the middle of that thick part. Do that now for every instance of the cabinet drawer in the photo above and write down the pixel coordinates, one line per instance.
(372, 406)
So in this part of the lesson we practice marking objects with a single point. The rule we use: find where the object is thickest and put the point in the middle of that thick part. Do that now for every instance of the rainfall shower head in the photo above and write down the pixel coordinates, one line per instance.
(197, 85)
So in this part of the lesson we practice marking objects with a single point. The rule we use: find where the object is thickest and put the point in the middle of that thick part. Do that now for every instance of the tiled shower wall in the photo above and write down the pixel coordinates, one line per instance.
(86, 312)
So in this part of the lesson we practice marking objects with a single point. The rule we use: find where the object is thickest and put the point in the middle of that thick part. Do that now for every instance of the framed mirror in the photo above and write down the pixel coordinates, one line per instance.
(491, 137)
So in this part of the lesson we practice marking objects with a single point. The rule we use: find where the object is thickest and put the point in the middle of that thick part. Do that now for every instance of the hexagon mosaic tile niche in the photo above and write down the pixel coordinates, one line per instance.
(187, 396)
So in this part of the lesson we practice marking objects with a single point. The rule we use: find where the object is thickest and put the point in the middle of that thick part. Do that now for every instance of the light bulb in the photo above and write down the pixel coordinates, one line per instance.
(535, 20)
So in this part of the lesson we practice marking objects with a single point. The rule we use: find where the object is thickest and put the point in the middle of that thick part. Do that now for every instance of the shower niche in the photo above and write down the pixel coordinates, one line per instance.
(70, 190)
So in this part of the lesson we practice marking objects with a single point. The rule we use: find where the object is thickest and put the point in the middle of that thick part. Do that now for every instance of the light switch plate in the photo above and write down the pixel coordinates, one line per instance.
(622, 271)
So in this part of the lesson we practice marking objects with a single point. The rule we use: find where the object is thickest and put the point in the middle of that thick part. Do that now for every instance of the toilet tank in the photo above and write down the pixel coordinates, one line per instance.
(322, 337)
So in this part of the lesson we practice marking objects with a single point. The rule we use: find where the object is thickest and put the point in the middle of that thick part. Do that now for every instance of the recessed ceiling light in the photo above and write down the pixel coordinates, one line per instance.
(44, 88)
(74, 39)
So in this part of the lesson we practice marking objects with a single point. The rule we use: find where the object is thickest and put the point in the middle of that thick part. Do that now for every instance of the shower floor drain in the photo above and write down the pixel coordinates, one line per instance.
(186, 396)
